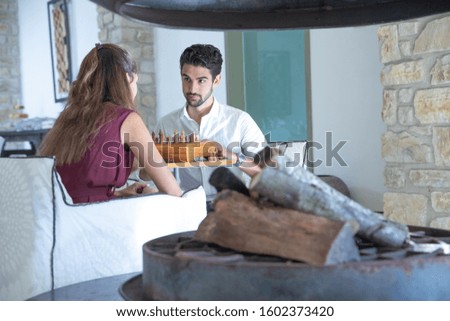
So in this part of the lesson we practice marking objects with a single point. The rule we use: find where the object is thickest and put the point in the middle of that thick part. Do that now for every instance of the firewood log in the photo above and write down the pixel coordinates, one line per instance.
(272, 157)
(222, 178)
(240, 223)
(300, 189)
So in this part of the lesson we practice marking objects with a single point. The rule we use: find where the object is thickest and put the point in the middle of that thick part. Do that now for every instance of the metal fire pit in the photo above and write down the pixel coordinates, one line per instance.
(273, 14)
(176, 267)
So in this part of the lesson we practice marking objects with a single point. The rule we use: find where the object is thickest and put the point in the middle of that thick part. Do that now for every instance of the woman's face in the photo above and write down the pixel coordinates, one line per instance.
(133, 85)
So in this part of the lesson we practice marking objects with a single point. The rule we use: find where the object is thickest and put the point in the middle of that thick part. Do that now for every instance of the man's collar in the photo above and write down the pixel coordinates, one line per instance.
(185, 113)
(214, 111)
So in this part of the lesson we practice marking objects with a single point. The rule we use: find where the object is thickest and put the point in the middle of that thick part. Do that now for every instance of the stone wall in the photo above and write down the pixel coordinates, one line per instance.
(10, 91)
(137, 38)
(416, 111)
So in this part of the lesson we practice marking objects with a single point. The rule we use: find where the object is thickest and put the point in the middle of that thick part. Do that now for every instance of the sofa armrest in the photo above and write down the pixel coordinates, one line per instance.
(105, 238)
(26, 228)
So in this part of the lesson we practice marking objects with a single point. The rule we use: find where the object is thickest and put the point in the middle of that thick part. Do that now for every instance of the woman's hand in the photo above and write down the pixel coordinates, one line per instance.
(138, 188)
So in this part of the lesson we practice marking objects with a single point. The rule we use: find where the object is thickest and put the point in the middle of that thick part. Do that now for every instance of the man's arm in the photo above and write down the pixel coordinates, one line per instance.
(248, 166)
(252, 141)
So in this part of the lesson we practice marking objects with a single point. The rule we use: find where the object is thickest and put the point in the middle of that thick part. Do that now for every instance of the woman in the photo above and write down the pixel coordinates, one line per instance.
(99, 134)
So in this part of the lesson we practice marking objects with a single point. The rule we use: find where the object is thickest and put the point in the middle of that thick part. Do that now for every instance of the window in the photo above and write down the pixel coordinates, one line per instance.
(268, 76)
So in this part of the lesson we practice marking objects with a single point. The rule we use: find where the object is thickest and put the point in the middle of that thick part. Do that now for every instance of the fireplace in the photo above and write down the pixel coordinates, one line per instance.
(177, 267)
(415, 50)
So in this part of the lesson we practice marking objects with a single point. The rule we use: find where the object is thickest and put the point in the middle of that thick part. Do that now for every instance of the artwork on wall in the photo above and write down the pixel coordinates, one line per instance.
(58, 18)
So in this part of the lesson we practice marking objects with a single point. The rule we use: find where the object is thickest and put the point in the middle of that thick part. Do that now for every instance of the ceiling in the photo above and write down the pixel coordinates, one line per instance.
(272, 14)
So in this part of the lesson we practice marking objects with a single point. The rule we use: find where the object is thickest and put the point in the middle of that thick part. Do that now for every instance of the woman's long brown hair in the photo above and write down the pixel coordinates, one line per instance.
(101, 83)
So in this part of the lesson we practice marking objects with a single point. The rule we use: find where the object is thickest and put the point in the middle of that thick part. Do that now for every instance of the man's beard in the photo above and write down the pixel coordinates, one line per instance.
(201, 101)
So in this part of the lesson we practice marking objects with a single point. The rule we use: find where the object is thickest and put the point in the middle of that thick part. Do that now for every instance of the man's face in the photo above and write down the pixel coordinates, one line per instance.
(198, 85)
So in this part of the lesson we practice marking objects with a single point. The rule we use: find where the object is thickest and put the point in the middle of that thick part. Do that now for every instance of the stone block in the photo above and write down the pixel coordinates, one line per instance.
(115, 36)
(148, 101)
(434, 37)
(440, 201)
(388, 37)
(408, 209)
(406, 116)
(147, 52)
(5, 101)
(129, 35)
(430, 178)
(146, 79)
(406, 48)
(394, 177)
(405, 148)
(432, 105)
(441, 145)
(408, 28)
(440, 74)
(136, 53)
(145, 36)
(441, 223)
(5, 72)
(404, 73)
(421, 130)
(405, 95)
(147, 66)
(389, 112)
(103, 35)
(108, 18)
(4, 28)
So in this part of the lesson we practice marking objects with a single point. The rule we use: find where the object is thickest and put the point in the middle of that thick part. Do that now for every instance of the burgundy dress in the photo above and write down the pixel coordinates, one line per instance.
(105, 166)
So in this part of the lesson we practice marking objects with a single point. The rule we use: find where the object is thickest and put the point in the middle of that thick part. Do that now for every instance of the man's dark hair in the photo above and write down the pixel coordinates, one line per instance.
(206, 56)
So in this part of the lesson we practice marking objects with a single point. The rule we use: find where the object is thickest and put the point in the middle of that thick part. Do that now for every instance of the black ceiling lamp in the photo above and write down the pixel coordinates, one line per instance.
(272, 14)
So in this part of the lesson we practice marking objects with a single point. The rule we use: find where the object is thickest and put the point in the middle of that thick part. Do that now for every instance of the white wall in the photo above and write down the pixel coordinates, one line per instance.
(36, 69)
(169, 44)
(347, 101)
(84, 30)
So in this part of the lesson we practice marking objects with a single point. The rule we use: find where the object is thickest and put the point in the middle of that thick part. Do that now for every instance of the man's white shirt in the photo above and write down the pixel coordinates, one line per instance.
(233, 128)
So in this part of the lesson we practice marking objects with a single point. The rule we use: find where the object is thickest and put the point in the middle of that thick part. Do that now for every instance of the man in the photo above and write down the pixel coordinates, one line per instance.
(234, 129)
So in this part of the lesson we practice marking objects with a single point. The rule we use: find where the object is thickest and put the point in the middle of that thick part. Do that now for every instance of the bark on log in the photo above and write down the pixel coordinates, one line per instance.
(242, 224)
(299, 189)
(222, 178)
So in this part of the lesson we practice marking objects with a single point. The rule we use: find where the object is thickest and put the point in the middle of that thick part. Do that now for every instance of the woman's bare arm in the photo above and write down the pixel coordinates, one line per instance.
(135, 134)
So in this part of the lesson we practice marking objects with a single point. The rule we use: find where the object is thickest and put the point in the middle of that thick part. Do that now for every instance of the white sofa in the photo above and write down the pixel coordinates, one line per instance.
(47, 242)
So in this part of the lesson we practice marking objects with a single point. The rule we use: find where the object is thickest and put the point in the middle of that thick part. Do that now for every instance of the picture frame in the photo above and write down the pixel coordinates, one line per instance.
(58, 19)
